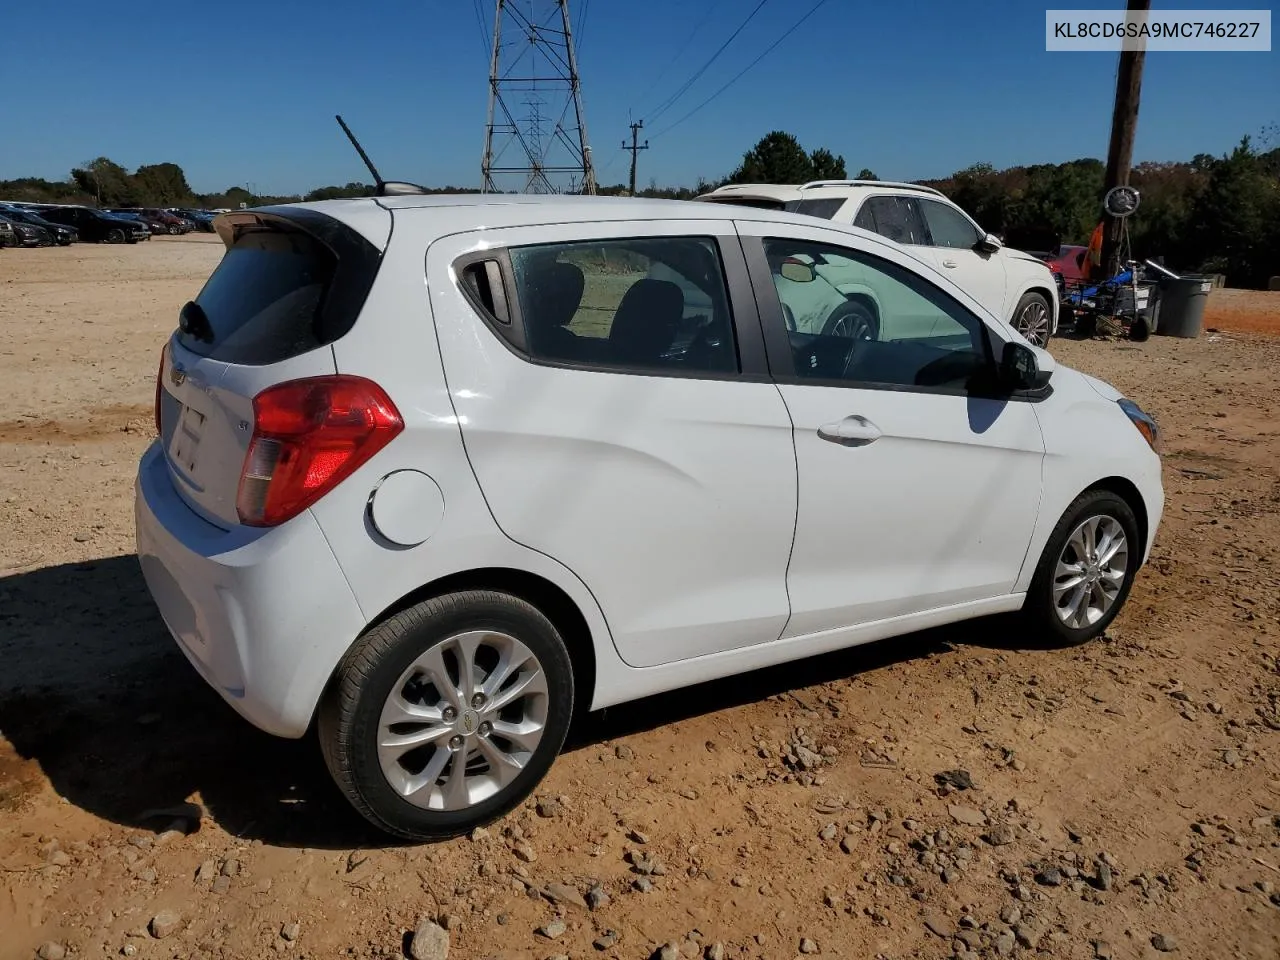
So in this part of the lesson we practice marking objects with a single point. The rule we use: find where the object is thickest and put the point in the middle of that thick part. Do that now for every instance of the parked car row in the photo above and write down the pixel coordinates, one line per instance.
(43, 225)
(25, 228)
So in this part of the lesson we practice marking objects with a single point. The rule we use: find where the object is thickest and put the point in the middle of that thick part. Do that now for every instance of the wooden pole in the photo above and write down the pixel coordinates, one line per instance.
(635, 149)
(1124, 123)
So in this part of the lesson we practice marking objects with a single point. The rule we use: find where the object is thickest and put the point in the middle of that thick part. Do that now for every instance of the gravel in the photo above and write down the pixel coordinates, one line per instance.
(596, 897)
(553, 930)
(563, 893)
(1164, 942)
(164, 924)
(1000, 834)
(969, 816)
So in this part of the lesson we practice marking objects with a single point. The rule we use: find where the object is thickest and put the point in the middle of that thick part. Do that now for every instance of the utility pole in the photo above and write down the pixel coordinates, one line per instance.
(1124, 123)
(635, 149)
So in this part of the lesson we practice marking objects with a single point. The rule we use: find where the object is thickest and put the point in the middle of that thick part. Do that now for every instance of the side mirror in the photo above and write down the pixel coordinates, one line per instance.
(990, 243)
(1020, 367)
(797, 271)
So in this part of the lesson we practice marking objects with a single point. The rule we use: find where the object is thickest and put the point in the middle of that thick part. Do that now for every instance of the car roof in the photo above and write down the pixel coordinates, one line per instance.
(457, 212)
(848, 187)
(447, 213)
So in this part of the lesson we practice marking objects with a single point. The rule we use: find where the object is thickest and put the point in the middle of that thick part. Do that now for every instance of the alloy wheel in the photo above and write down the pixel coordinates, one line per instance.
(1033, 323)
(1090, 571)
(463, 720)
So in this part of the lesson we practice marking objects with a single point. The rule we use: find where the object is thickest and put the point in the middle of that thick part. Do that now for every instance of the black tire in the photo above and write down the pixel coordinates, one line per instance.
(1032, 318)
(1139, 330)
(852, 319)
(115, 235)
(350, 711)
(1040, 611)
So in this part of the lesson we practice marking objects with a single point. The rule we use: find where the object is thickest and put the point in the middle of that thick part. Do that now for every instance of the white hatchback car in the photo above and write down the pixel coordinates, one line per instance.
(1014, 285)
(434, 471)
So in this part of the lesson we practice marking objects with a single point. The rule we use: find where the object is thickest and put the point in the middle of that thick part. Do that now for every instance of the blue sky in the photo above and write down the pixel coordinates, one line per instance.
(244, 91)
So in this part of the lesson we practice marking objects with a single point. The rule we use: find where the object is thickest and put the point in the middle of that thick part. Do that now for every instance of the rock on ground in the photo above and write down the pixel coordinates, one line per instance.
(430, 941)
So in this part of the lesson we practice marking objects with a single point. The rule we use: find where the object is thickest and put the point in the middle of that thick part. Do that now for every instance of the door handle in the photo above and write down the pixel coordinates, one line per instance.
(852, 431)
(950, 264)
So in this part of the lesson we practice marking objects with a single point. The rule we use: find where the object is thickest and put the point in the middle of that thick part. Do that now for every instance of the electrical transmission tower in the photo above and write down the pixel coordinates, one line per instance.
(533, 82)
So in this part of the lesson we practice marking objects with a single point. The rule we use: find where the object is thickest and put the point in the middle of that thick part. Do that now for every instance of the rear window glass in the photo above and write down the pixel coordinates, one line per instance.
(263, 302)
(826, 208)
(762, 203)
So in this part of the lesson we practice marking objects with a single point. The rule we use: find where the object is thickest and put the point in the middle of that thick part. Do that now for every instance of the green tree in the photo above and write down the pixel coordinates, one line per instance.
(108, 182)
(866, 174)
(776, 158)
(163, 185)
(352, 189)
(1233, 218)
(826, 166)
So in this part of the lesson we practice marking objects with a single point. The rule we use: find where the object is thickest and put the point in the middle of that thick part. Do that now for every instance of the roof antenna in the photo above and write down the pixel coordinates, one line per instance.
(383, 188)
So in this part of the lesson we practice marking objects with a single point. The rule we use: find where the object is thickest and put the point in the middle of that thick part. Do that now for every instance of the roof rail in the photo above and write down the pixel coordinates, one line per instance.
(870, 183)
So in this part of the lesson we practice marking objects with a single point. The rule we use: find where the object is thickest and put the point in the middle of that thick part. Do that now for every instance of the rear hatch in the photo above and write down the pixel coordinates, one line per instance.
(290, 283)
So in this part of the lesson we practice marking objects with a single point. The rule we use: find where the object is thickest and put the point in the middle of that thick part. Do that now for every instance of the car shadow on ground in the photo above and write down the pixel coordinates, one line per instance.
(94, 692)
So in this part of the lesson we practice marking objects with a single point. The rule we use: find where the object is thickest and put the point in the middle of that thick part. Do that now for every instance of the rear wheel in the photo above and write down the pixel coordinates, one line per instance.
(1032, 317)
(1086, 570)
(446, 716)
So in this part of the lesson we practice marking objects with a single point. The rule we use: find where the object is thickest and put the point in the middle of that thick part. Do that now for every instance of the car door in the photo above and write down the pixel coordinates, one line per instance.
(919, 486)
(614, 399)
(953, 241)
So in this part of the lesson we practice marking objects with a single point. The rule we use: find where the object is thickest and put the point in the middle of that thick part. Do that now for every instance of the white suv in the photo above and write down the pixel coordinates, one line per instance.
(435, 471)
(1013, 284)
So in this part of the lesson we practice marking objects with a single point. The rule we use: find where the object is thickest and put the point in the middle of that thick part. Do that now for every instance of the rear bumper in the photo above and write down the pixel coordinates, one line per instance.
(263, 615)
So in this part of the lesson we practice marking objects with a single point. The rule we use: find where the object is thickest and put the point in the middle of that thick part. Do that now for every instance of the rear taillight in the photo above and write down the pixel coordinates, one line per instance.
(164, 353)
(308, 436)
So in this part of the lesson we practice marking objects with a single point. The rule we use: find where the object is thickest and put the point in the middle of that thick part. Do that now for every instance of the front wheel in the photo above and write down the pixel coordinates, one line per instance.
(447, 715)
(1032, 319)
(115, 235)
(852, 320)
(1086, 569)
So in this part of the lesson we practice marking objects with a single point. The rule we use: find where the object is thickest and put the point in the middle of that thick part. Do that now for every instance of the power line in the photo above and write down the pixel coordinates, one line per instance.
(683, 47)
(582, 20)
(484, 34)
(666, 104)
(769, 49)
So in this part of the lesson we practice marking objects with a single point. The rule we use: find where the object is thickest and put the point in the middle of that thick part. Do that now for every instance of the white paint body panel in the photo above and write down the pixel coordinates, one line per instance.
(673, 499)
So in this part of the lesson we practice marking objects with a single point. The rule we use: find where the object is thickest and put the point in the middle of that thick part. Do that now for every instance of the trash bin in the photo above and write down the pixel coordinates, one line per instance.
(1181, 306)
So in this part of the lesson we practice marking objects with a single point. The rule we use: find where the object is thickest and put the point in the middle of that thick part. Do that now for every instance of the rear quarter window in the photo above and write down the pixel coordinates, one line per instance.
(280, 290)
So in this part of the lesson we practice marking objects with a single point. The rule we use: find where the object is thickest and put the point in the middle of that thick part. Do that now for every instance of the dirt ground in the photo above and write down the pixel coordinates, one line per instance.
(1117, 800)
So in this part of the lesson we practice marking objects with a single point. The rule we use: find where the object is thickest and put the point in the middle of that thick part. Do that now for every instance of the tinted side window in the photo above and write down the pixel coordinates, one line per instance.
(643, 304)
(897, 218)
(825, 208)
(949, 227)
(890, 326)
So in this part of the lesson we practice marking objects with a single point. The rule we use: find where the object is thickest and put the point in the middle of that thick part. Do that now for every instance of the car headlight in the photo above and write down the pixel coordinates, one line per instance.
(1145, 423)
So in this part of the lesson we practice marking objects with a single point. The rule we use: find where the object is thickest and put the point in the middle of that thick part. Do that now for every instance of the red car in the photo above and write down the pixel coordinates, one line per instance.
(1069, 262)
